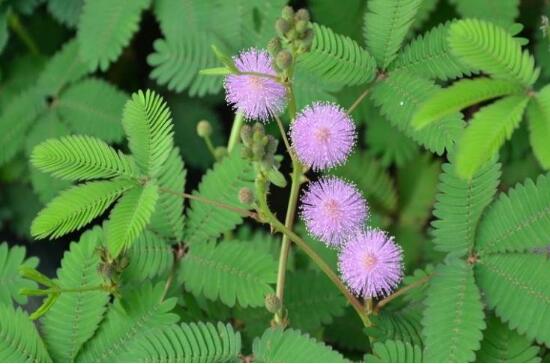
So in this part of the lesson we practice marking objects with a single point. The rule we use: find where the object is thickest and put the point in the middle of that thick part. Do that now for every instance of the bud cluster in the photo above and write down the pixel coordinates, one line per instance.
(258, 146)
(295, 35)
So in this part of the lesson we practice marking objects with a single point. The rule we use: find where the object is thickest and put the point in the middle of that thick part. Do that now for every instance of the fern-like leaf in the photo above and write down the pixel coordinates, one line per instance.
(502, 345)
(517, 287)
(519, 220)
(93, 107)
(400, 325)
(538, 115)
(149, 256)
(503, 14)
(135, 314)
(231, 272)
(130, 216)
(491, 49)
(76, 207)
(291, 346)
(222, 184)
(186, 343)
(399, 96)
(167, 219)
(75, 316)
(148, 125)
(460, 204)
(11, 259)
(453, 318)
(460, 95)
(20, 341)
(394, 352)
(488, 130)
(105, 28)
(337, 59)
(65, 12)
(81, 158)
(387, 22)
(429, 55)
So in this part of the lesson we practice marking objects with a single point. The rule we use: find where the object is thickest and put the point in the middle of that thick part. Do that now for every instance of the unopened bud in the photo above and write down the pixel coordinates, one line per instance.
(302, 14)
(274, 46)
(258, 151)
(272, 303)
(246, 153)
(220, 152)
(282, 26)
(292, 34)
(287, 13)
(307, 40)
(301, 26)
(204, 128)
(272, 145)
(246, 196)
(246, 134)
(284, 59)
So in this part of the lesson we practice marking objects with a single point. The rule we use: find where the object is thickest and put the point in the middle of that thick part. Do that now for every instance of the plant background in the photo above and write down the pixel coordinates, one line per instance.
(400, 180)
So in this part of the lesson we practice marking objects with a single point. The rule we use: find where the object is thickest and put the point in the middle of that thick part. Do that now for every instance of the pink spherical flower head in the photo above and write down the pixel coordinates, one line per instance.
(371, 264)
(323, 135)
(333, 210)
(257, 97)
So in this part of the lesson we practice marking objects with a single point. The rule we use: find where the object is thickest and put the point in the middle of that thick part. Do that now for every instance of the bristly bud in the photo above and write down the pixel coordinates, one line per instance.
(246, 134)
(284, 59)
(274, 46)
(272, 303)
(258, 130)
(272, 144)
(204, 129)
(282, 26)
(301, 26)
(220, 152)
(307, 40)
(246, 196)
(287, 13)
(302, 14)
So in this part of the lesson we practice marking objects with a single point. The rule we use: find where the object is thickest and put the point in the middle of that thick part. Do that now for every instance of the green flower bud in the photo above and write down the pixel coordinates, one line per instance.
(287, 13)
(292, 34)
(259, 128)
(246, 153)
(272, 145)
(274, 46)
(301, 26)
(258, 152)
(246, 134)
(307, 40)
(284, 59)
(302, 14)
(204, 129)
(220, 152)
(282, 26)
(246, 196)
(273, 303)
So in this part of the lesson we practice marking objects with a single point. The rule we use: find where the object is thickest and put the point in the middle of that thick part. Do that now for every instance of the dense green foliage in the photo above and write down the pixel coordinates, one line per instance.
(161, 242)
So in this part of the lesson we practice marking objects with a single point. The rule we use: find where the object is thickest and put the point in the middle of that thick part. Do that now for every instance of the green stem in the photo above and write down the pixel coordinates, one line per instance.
(210, 146)
(297, 171)
(235, 131)
(402, 291)
(18, 28)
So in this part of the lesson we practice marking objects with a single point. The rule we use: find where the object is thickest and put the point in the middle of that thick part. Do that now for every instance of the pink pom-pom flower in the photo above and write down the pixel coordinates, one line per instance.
(323, 136)
(371, 264)
(257, 97)
(333, 210)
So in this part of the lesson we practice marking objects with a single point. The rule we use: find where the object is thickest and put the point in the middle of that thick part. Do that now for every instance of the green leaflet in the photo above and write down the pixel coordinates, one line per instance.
(387, 22)
(518, 221)
(461, 94)
(337, 59)
(149, 256)
(138, 312)
(487, 131)
(232, 272)
(394, 352)
(10, 261)
(453, 318)
(20, 342)
(400, 326)
(147, 122)
(65, 12)
(398, 97)
(130, 216)
(517, 287)
(76, 207)
(186, 343)
(491, 49)
(75, 316)
(504, 14)
(429, 55)
(460, 204)
(277, 345)
(105, 28)
(502, 345)
(538, 116)
(81, 158)
(222, 184)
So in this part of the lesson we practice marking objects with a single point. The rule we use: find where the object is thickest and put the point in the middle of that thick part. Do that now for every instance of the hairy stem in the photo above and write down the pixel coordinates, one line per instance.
(289, 225)
(285, 139)
(401, 291)
(18, 28)
(358, 101)
(235, 131)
